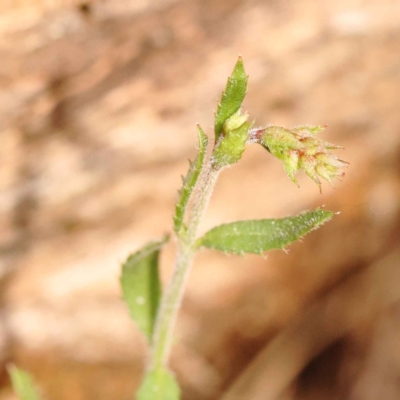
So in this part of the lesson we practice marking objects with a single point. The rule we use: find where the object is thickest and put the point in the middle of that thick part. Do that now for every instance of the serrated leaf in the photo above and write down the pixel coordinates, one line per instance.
(189, 182)
(23, 384)
(141, 285)
(258, 236)
(232, 98)
(159, 384)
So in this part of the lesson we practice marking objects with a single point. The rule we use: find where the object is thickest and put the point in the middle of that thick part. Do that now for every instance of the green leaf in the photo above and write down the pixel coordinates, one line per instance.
(23, 385)
(159, 384)
(257, 236)
(141, 285)
(232, 98)
(189, 182)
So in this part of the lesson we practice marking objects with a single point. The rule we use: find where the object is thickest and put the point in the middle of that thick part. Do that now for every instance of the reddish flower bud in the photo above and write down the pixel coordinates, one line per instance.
(298, 149)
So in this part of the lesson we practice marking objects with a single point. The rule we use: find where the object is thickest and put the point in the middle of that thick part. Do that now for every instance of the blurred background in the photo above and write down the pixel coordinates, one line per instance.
(98, 104)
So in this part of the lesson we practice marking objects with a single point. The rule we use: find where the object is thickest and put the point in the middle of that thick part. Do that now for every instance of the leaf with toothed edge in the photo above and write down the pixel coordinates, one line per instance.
(23, 384)
(232, 98)
(141, 285)
(258, 236)
(159, 384)
(189, 182)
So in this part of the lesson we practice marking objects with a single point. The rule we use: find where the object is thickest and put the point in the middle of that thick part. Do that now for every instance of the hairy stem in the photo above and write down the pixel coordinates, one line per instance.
(172, 298)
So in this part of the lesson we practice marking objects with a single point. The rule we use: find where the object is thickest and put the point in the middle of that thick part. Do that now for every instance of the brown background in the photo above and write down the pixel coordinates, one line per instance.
(98, 104)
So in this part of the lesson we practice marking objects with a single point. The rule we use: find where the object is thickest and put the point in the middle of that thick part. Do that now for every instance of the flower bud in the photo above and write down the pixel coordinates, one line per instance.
(300, 149)
(308, 163)
(280, 140)
(291, 163)
(234, 122)
(231, 144)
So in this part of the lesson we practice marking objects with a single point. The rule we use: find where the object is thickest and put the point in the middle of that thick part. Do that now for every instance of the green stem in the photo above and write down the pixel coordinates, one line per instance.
(172, 298)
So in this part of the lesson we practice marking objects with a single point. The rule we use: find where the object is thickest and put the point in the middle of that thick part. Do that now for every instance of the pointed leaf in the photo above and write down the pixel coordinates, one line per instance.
(257, 236)
(190, 181)
(23, 384)
(232, 98)
(159, 384)
(141, 285)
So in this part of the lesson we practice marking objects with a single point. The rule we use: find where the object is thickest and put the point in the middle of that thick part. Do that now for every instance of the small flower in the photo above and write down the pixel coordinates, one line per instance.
(300, 149)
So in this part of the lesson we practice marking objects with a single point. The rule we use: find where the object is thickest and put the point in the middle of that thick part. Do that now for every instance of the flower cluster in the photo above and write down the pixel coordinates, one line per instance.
(300, 149)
